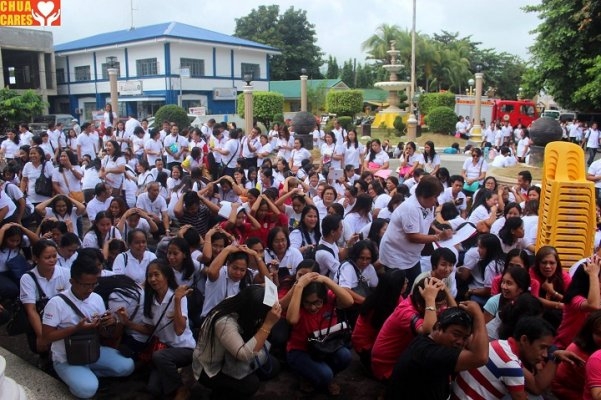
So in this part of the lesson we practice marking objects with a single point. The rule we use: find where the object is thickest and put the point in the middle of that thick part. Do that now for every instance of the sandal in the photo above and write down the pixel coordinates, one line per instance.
(334, 389)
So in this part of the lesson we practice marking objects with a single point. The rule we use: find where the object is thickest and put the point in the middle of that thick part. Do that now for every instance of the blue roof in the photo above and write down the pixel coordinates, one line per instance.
(167, 29)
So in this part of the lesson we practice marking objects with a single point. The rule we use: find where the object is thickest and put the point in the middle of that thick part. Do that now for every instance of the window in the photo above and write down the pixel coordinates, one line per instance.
(147, 66)
(105, 70)
(60, 75)
(253, 69)
(197, 67)
(82, 73)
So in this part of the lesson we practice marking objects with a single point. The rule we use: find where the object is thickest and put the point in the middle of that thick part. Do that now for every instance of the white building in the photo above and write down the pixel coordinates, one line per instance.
(151, 61)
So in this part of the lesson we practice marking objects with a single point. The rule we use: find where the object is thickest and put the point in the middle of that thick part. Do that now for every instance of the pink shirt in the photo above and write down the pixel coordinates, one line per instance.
(364, 334)
(571, 322)
(394, 337)
(593, 374)
(568, 382)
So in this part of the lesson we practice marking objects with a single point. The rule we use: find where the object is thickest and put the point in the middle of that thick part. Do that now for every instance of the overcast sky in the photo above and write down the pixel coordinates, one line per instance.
(341, 25)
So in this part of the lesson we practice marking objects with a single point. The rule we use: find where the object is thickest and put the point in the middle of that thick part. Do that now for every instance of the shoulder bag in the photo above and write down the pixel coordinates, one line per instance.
(362, 288)
(18, 322)
(82, 347)
(153, 343)
(43, 184)
(325, 342)
(74, 195)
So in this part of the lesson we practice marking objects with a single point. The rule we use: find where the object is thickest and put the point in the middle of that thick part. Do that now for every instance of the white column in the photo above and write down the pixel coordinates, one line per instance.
(412, 121)
(476, 133)
(114, 94)
(303, 79)
(248, 108)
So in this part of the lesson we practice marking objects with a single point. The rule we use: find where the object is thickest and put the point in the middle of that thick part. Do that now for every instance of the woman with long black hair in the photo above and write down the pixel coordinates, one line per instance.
(235, 332)
(308, 233)
(112, 170)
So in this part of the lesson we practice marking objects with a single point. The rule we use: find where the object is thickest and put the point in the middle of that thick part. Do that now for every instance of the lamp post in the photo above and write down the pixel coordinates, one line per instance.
(470, 82)
(412, 121)
(111, 63)
(248, 103)
(303, 82)
(520, 94)
(477, 129)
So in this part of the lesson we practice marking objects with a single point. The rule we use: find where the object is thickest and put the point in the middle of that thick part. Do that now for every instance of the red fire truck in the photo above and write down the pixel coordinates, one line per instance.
(514, 111)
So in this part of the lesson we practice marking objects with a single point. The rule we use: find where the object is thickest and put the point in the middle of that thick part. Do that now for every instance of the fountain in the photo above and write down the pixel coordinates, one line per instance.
(393, 86)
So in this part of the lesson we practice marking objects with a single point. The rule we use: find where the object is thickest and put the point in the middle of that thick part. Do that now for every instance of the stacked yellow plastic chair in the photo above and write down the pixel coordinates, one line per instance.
(567, 204)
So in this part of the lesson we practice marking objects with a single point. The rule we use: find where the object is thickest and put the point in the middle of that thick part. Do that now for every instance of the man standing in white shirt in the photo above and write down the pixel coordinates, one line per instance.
(594, 175)
(229, 153)
(460, 127)
(339, 132)
(24, 135)
(207, 128)
(407, 232)
(592, 142)
(489, 134)
(318, 136)
(176, 147)
(250, 144)
(87, 142)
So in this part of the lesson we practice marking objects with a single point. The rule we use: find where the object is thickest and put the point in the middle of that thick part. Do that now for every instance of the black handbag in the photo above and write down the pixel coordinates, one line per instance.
(18, 322)
(82, 347)
(322, 344)
(43, 184)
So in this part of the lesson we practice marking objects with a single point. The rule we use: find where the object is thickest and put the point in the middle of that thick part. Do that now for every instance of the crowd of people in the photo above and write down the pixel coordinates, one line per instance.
(162, 241)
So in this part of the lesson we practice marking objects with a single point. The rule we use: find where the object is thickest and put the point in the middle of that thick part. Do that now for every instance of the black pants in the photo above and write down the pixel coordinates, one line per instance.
(228, 172)
(411, 274)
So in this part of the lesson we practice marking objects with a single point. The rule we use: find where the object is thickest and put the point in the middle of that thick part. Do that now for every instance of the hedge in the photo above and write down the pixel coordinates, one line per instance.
(172, 113)
(441, 120)
(344, 102)
(429, 101)
(265, 106)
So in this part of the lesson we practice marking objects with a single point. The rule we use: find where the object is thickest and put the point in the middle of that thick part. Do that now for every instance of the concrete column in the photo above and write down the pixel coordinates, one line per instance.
(477, 129)
(303, 79)
(43, 89)
(114, 94)
(1, 68)
(248, 108)
(412, 121)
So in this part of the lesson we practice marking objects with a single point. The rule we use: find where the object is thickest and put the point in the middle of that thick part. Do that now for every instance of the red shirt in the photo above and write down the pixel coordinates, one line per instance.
(309, 323)
(364, 334)
(568, 383)
(267, 225)
(571, 322)
(241, 233)
(564, 275)
(394, 337)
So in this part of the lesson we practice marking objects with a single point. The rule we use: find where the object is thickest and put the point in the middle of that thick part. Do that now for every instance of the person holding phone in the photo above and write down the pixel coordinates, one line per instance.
(455, 195)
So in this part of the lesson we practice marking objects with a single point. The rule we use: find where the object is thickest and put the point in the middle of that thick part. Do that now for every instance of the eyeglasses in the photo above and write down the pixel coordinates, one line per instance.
(88, 285)
(316, 303)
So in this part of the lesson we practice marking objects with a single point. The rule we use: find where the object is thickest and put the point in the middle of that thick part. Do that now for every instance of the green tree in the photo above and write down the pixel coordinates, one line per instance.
(316, 97)
(18, 107)
(347, 75)
(564, 55)
(266, 105)
(175, 114)
(333, 71)
(344, 102)
(441, 120)
(291, 33)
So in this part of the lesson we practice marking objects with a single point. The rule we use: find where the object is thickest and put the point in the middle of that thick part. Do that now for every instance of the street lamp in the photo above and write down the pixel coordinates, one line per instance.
(470, 82)
(111, 63)
(248, 102)
(520, 93)
(303, 82)
(477, 129)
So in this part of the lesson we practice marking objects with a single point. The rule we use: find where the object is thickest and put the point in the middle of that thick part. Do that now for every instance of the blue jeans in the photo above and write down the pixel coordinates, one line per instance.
(319, 373)
(83, 379)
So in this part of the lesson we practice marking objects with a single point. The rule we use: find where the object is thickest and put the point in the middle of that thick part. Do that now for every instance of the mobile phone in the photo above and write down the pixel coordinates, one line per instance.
(360, 235)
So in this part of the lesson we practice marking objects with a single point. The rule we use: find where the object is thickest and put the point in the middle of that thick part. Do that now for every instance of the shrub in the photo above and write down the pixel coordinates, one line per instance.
(399, 126)
(265, 106)
(346, 123)
(344, 102)
(429, 101)
(441, 120)
(278, 117)
(172, 113)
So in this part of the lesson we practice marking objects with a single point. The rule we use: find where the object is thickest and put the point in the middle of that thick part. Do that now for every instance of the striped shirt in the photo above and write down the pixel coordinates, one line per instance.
(501, 375)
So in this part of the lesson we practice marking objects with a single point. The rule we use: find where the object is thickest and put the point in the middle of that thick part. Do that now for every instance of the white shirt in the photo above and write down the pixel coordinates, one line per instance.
(328, 263)
(135, 311)
(72, 184)
(59, 282)
(72, 217)
(6, 201)
(595, 170)
(592, 141)
(353, 222)
(155, 207)
(473, 171)
(175, 144)
(91, 239)
(447, 196)
(11, 150)
(95, 206)
(32, 173)
(297, 239)
(59, 314)
(347, 276)
(88, 144)
(255, 143)
(126, 264)
(396, 251)
(381, 158)
(233, 147)
(215, 292)
(289, 262)
(479, 214)
(90, 178)
(155, 146)
(352, 155)
(284, 153)
(298, 156)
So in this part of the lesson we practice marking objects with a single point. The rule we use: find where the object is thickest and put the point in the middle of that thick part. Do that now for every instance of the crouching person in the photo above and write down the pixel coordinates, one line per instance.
(76, 313)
